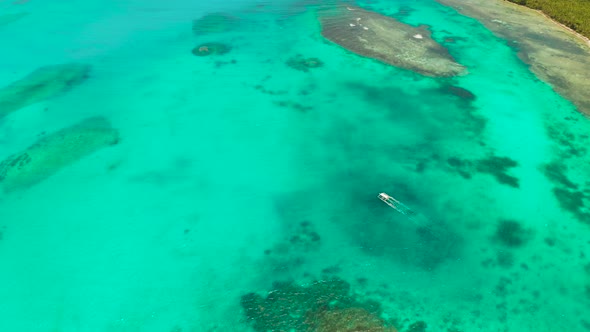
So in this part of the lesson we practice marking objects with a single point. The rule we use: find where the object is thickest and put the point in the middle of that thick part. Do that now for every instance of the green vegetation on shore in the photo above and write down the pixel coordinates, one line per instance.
(572, 13)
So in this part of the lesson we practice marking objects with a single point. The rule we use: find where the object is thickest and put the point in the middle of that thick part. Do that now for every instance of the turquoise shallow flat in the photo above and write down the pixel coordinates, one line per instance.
(180, 166)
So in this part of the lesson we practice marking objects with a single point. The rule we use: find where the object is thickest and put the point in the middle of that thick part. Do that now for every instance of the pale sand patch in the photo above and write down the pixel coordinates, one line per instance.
(555, 53)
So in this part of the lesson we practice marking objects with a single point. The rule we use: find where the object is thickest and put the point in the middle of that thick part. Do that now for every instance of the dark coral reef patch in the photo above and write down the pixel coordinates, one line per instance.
(212, 48)
(574, 201)
(300, 63)
(458, 92)
(498, 167)
(572, 197)
(511, 233)
(493, 165)
(294, 105)
(322, 306)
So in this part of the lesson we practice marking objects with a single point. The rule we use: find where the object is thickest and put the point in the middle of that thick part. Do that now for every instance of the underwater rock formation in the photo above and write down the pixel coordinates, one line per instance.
(214, 23)
(41, 84)
(386, 39)
(211, 49)
(56, 151)
(322, 306)
(298, 62)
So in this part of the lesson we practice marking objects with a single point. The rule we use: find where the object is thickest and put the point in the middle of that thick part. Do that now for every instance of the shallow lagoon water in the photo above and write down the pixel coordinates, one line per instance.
(221, 159)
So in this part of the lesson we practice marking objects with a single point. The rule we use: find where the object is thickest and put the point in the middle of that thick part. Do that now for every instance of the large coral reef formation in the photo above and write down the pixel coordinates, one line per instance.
(350, 320)
(43, 83)
(322, 306)
(388, 40)
(56, 151)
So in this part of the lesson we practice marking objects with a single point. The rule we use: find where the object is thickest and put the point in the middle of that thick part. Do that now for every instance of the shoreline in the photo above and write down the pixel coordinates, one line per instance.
(555, 53)
(577, 34)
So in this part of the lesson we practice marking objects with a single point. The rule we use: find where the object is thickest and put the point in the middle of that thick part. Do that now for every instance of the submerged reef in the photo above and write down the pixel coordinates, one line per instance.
(56, 151)
(350, 320)
(458, 91)
(305, 237)
(300, 63)
(41, 84)
(574, 201)
(569, 169)
(556, 173)
(568, 144)
(498, 168)
(294, 105)
(214, 23)
(384, 38)
(460, 117)
(511, 233)
(291, 252)
(212, 48)
(493, 165)
(322, 306)
(264, 90)
(573, 198)
(404, 11)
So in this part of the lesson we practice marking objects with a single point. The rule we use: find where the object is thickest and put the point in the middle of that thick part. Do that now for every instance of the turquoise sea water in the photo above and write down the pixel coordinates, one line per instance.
(222, 158)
